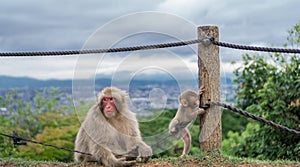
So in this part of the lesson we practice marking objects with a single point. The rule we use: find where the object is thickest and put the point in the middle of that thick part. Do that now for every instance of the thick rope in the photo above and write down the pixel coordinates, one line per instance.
(111, 50)
(244, 113)
(254, 48)
(18, 139)
(149, 47)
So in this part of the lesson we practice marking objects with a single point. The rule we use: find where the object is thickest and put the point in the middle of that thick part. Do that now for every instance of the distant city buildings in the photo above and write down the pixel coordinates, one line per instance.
(4, 111)
(144, 98)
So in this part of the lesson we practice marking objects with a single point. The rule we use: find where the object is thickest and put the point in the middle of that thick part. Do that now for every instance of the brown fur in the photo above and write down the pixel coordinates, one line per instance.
(186, 113)
(105, 138)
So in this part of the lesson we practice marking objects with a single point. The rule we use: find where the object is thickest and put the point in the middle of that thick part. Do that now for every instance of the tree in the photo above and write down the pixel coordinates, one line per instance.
(270, 88)
(30, 119)
(60, 130)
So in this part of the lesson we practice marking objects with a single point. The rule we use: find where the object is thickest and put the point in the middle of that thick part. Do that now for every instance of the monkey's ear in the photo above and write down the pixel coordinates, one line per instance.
(99, 103)
(99, 99)
(184, 102)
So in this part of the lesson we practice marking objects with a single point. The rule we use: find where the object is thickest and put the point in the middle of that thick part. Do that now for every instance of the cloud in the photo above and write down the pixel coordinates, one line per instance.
(66, 25)
(135, 63)
(254, 21)
(42, 67)
(48, 24)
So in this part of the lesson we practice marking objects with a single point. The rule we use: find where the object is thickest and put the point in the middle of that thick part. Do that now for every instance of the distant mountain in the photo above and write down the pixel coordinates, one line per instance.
(7, 82)
(26, 82)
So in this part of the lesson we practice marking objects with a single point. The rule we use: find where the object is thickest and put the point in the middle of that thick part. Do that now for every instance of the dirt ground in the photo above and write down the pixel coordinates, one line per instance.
(157, 164)
(190, 162)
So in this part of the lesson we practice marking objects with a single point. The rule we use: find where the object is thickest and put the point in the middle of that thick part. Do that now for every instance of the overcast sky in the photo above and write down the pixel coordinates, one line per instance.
(42, 25)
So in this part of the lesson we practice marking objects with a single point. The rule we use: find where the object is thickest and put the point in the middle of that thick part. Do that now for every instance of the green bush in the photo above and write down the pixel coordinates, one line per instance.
(270, 88)
(62, 136)
(235, 141)
(45, 120)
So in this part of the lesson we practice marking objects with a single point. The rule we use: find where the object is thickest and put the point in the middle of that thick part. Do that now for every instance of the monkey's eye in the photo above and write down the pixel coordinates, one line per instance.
(108, 99)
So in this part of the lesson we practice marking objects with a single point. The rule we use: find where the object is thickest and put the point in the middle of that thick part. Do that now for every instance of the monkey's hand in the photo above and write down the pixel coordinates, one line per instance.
(201, 90)
(145, 152)
(122, 162)
(111, 160)
(132, 154)
(201, 111)
(173, 131)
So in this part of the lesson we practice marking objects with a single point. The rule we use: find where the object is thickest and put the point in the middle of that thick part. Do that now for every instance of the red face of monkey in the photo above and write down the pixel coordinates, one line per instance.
(109, 107)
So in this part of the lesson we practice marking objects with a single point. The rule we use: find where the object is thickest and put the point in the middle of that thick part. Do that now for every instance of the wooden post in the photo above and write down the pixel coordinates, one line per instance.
(209, 75)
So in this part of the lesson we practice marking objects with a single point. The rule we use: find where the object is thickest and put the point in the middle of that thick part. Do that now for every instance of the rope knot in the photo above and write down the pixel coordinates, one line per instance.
(17, 139)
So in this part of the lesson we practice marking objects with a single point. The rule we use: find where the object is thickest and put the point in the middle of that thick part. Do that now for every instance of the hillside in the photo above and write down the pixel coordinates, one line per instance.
(25, 82)
(7, 82)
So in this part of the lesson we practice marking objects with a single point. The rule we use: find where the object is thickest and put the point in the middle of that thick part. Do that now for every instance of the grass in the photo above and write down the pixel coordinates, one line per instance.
(24, 163)
(215, 159)
(224, 160)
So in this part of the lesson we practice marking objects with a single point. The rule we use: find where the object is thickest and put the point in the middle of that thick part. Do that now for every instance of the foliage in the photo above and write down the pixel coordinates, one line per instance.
(44, 120)
(235, 140)
(61, 136)
(270, 88)
(24, 114)
(232, 122)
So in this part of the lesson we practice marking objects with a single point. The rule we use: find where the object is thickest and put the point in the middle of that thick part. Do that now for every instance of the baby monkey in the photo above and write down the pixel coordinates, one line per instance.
(187, 111)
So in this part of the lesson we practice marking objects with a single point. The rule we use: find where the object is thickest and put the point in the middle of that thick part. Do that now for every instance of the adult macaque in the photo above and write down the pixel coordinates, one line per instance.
(110, 132)
(187, 111)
